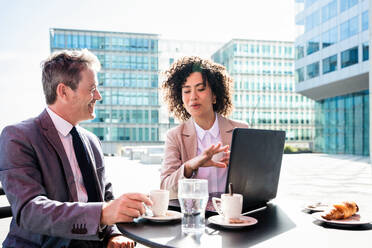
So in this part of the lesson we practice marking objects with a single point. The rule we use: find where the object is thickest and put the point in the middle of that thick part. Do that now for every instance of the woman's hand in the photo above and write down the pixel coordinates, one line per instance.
(205, 159)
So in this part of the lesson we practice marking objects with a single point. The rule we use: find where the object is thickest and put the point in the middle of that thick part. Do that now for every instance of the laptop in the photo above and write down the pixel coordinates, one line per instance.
(254, 167)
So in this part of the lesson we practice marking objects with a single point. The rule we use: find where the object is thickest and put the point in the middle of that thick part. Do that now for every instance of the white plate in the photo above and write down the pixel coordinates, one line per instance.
(220, 220)
(316, 207)
(170, 215)
(356, 219)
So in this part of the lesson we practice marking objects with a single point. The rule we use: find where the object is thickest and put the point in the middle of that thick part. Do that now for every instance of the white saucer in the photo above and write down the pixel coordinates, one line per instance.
(220, 220)
(170, 215)
(356, 219)
(317, 207)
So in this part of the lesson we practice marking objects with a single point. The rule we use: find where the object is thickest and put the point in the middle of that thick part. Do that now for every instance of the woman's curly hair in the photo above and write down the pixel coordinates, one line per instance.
(213, 73)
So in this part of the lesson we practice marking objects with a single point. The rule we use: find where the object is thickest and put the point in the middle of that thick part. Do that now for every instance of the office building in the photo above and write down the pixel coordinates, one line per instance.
(128, 81)
(264, 93)
(332, 67)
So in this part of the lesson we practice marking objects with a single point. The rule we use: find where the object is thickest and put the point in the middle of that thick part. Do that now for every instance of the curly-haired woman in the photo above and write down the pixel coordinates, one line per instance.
(200, 89)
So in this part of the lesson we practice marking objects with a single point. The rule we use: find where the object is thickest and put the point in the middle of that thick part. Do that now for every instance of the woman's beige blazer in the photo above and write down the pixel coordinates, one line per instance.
(181, 145)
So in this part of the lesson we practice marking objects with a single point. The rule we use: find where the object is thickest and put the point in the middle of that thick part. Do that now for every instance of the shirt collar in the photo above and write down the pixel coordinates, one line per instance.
(214, 130)
(62, 126)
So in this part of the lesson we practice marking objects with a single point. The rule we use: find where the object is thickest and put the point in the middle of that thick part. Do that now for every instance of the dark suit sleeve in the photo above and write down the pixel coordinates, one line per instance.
(24, 173)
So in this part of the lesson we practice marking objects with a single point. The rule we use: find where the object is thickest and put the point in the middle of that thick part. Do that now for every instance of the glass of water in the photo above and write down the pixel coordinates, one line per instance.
(193, 198)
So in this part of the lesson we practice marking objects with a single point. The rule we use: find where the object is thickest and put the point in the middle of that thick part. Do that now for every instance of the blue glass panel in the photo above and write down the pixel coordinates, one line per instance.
(365, 20)
(330, 64)
(81, 41)
(313, 45)
(365, 51)
(329, 37)
(312, 70)
(349, 57)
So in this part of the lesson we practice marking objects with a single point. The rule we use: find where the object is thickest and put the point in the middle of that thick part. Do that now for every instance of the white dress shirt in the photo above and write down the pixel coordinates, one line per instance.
(64, 127)
(216, 176)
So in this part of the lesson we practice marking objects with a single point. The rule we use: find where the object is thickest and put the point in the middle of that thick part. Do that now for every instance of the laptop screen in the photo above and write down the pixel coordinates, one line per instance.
(254, 167)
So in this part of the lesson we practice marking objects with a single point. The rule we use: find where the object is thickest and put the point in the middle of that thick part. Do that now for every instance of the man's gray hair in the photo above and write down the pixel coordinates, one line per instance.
(65, 67)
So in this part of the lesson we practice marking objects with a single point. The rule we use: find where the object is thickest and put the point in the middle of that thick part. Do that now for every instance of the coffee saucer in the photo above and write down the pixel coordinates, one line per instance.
(220, 220)
(169, 216)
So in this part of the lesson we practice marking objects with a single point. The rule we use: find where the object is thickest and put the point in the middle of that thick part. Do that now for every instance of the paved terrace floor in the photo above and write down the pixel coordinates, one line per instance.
(304, 178)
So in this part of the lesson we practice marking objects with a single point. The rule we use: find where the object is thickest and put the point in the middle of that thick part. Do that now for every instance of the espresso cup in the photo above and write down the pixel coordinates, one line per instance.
(231, 205)
(160, 202)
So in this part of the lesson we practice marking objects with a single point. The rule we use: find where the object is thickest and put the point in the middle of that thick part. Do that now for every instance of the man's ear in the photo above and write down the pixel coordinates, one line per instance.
(62, 91)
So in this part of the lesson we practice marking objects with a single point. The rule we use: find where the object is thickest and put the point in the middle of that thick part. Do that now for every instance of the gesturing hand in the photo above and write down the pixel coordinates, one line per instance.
(124, 209)
(205, 158)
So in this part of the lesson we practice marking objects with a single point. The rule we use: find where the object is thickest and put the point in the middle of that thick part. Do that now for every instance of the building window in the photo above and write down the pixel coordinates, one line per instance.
(299, 52)
(349, 28)
(365, 51)
(349, 57)
(312, 45)
(330, 64)
(329, 37)
(299, 75)
(329, 11)
(347, 4)
(312, 70)
(365, 20)
(308, 3)
(312, 21)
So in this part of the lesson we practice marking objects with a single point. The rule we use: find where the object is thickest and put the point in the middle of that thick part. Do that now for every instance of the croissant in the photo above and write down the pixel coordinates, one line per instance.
(341, 211)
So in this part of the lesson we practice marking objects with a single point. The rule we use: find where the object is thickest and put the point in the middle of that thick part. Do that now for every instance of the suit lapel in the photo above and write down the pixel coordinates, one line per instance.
(51, 134)
(189, 139)
(226, 129)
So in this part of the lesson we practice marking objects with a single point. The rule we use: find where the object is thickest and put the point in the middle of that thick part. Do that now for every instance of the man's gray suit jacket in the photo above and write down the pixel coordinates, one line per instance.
(39, 184)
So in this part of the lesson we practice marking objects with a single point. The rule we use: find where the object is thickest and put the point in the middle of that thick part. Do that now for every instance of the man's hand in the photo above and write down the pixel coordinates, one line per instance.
(120, 242)
(124, 209)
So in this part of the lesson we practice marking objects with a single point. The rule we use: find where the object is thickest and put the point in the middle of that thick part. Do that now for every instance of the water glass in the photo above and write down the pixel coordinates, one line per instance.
(193, 198)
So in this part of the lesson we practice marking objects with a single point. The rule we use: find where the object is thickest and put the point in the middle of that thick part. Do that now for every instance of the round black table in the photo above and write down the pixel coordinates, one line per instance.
(279, 225)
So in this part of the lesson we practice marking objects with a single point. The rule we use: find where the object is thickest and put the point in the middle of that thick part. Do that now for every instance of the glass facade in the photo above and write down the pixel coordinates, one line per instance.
(264, 94)
(342, 116)
(342, 124)
(128, 82)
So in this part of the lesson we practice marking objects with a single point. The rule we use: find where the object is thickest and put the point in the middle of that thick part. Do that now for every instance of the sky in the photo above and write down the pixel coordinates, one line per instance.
(25, 24)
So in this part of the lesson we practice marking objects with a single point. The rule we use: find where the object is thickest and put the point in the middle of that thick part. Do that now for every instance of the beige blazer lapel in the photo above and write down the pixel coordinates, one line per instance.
(51, 134)
(189, 139)
(226, 129)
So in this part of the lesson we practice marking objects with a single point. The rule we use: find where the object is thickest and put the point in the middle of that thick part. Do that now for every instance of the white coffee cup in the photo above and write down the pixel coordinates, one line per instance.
(231, 205)
(160, 201)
